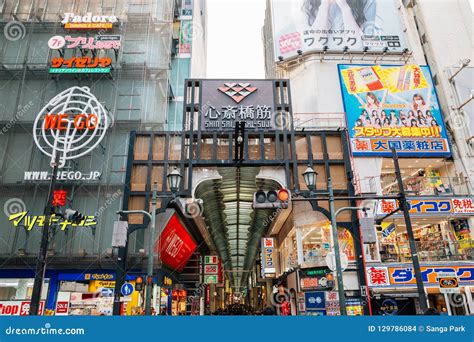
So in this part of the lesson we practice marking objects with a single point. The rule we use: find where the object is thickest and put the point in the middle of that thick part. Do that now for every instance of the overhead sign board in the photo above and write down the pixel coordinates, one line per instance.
(390, 276)
(225, 102)
(430, 206)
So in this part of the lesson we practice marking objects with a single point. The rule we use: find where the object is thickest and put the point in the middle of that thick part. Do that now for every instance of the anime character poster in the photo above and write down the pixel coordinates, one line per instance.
(389, 107)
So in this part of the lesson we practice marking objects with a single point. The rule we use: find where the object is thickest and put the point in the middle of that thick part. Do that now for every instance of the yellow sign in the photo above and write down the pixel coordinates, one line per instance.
(372, 78)
(167, 281)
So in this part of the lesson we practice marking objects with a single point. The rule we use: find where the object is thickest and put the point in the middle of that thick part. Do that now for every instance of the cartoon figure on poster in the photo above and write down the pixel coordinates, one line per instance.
(392, 107)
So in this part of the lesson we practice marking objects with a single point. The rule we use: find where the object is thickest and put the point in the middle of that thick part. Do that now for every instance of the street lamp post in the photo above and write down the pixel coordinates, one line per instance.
(174, 182)
(310, 179)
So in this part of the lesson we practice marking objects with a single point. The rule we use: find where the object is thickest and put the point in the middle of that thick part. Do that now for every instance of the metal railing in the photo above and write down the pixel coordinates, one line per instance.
(427, 186)
(317, 121)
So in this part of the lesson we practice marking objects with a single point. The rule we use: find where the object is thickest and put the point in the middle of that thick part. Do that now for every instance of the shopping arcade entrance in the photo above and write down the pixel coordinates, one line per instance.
(272, 158)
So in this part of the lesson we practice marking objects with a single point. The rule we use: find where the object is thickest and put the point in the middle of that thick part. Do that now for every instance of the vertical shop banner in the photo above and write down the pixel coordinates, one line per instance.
(185, 38)
(175, 244)
(315, 25)
(268, 257)
(392, 107)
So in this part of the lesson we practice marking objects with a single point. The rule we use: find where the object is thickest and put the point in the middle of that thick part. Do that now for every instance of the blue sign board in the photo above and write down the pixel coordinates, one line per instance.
(315, 301)
(126, 289)
(106, 292)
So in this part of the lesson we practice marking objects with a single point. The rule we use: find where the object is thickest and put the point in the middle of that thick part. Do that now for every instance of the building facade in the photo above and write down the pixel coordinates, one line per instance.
(126, 54)
(374, 74)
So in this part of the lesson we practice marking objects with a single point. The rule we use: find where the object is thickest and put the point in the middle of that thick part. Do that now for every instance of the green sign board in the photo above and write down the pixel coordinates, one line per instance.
(210, 279)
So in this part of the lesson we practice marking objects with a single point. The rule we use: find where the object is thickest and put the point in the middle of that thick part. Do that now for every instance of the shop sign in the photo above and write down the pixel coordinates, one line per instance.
(80, 65)
(175, 244)
(377, 276)
(17, 308)
(316, 278)
(315, 301)
(71, 124)
(332, 303)
(211, 260)
(430, 206)
(22, 219)
(106, 42)
(103, 283)
(391, 106)
(448, 283)
(211, 269)
(59, 198)
(210, 279)
(226, 102)
(167, 281)
(268, 256)
(99, 276)
(62, 307)
(405, 276)
(88, 21)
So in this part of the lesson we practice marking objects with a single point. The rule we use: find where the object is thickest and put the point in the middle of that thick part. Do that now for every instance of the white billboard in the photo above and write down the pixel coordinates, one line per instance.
(333, 25)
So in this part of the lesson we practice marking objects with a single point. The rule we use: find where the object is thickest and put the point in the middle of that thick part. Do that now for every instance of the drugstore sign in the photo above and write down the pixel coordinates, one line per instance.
(268, 256)
(430, 206)
(405, 276)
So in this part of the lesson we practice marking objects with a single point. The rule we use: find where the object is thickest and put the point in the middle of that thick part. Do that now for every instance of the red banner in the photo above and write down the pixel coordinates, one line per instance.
(177, 245)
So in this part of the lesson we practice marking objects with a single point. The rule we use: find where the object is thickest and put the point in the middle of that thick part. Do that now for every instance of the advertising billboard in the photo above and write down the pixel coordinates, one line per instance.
(391, 106)
(175, 245)
(315, 25)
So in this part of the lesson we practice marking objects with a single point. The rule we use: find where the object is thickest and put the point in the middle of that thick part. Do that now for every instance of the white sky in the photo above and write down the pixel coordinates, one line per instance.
(234, 41)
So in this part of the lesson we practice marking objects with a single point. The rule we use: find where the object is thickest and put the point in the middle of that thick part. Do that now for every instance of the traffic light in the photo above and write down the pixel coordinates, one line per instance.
(139, 283)
(271, 199)
(73, 215)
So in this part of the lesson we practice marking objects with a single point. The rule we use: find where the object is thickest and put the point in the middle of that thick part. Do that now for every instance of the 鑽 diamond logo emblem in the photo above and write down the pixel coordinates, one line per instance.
(237, 91)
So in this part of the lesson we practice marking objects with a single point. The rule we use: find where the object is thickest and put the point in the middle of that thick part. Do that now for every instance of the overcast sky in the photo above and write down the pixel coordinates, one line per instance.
(234, 42)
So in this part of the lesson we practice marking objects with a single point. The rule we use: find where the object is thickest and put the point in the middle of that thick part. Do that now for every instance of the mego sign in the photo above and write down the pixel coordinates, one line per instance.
(61, 121)
(71, 124)
(88, 21)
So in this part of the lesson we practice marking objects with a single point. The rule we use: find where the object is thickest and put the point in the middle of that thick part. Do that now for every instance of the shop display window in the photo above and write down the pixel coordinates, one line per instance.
(316, 242)
(437, 240)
